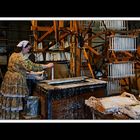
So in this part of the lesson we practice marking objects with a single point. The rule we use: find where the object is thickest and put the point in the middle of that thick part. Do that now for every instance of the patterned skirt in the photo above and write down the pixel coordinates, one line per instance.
(13, 90)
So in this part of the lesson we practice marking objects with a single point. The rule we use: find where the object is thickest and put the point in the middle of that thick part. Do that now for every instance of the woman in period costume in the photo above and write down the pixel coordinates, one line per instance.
(14, 85)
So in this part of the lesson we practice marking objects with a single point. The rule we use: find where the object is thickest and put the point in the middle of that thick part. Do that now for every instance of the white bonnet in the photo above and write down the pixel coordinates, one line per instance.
(23, 43)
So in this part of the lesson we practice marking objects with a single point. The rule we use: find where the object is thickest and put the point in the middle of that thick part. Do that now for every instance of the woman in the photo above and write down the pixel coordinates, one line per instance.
(14, 85)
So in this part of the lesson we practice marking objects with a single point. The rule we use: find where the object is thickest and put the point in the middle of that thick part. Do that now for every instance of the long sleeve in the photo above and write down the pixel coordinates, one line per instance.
(30, 66)
(20, 64)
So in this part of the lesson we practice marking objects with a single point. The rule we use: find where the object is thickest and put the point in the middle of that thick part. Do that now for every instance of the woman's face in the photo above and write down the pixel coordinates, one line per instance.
(26, 50)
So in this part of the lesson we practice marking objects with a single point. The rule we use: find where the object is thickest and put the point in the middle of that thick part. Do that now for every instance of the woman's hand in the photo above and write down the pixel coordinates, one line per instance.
(49, 65)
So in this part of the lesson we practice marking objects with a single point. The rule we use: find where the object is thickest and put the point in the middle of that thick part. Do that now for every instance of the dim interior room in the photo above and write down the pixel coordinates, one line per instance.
(92, 68)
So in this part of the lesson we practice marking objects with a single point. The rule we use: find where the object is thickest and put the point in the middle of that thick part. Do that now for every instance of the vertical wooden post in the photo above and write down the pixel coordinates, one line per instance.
(75, 52)
(78, 52)
(55, 23)
(34, 23)
(72, 52)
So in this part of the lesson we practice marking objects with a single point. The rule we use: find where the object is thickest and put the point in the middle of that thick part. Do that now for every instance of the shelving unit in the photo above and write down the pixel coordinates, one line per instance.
(121, 56)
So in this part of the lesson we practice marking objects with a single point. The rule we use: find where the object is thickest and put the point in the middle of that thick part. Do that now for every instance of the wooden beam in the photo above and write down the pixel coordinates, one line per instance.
(34, 23)
(40, 28)
(89, 65)
(92, 50)
(92, 37)
(45, 34)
